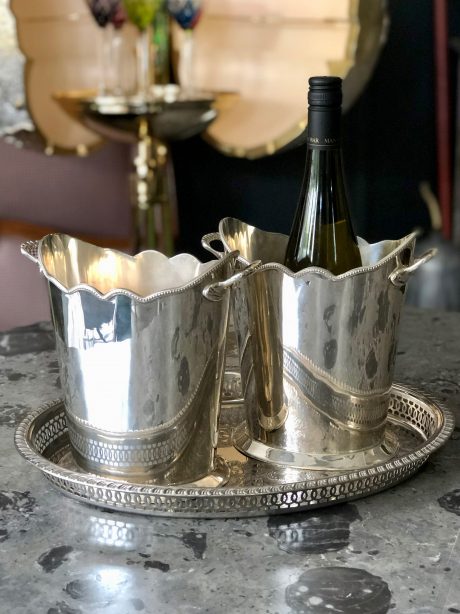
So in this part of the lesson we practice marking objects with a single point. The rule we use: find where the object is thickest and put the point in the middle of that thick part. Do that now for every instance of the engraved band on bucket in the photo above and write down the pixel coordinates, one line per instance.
(360, 412)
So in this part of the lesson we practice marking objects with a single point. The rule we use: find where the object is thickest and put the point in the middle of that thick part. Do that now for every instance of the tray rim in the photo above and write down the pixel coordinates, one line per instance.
(418, 455)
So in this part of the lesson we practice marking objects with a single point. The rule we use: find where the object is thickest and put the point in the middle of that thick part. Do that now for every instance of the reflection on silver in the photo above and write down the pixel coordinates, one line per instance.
(254, 488)
(316, 351)
(141, 353)
(112, 533)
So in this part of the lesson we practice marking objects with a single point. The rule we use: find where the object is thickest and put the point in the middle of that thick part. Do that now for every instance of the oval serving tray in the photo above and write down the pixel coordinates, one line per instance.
(255, 488)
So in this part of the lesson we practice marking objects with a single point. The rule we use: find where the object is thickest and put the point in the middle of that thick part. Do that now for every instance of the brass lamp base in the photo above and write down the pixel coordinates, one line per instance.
(150, 123)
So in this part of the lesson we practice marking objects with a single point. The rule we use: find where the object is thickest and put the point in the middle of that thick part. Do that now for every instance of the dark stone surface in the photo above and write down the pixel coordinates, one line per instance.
(315, 531)
(27, 339)
(397, 551)
(338, 589)
(54, 558)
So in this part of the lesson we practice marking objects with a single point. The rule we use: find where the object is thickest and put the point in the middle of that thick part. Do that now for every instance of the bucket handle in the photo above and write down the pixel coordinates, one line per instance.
(402, 273)
(216, 291)
(206, 243)
(30, 250)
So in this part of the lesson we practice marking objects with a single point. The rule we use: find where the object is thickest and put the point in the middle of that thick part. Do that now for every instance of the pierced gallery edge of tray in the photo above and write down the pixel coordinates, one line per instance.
(254, 488)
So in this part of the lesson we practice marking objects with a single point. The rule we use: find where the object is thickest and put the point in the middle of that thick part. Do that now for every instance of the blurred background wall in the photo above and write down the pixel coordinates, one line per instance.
(65, 193)
(389, 149)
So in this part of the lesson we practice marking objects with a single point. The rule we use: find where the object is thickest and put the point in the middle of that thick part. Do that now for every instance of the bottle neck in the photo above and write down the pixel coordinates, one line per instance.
(324, 128)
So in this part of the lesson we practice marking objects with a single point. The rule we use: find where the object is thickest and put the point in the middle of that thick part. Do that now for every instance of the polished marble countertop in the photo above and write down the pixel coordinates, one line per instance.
(397, 551)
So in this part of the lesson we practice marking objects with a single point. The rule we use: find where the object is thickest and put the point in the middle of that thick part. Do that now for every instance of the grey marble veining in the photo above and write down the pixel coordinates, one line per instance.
(397, 551)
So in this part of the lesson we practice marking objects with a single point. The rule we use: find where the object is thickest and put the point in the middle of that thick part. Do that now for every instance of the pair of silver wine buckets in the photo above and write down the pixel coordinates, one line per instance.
(141, 348)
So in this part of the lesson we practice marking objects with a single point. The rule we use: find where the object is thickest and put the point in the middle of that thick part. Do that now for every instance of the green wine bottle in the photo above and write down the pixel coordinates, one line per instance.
(322, 233)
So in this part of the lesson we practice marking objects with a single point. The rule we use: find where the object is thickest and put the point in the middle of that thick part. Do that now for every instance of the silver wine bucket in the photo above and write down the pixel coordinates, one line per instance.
(316, 350)
(141, 343)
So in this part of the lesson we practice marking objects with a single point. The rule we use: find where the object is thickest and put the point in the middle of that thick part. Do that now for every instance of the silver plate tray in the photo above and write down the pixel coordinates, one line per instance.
(255, 488)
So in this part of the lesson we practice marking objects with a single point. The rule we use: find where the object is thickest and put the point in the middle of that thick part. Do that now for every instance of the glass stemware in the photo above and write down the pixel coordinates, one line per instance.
(161, 40)
(118, 19)
(187, 14)
(142, 13)
(109, 15)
